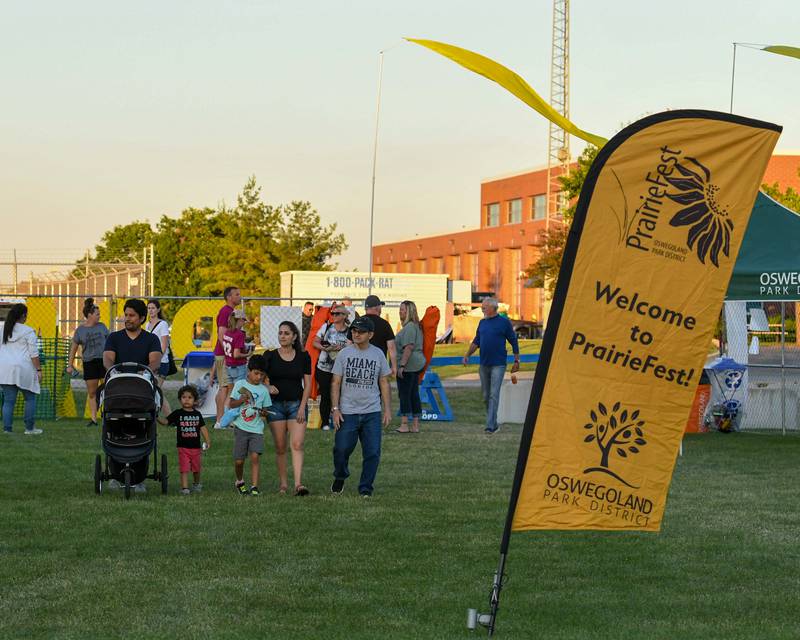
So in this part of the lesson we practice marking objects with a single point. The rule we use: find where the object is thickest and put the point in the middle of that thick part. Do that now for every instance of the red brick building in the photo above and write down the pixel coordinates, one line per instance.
(512, 217)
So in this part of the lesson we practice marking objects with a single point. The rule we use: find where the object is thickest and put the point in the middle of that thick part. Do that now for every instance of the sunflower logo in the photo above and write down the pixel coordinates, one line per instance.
(710, 231)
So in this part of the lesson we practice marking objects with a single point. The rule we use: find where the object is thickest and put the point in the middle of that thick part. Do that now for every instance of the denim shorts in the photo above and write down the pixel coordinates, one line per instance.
(236, 373)
(282, 410)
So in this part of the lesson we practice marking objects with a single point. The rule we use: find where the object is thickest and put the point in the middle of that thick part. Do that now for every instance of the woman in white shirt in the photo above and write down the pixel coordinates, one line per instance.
(159, 328)
(20, 368)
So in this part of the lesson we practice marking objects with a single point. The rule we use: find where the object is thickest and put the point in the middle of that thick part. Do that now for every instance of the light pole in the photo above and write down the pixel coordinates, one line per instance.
(374, 164)
(375, 158)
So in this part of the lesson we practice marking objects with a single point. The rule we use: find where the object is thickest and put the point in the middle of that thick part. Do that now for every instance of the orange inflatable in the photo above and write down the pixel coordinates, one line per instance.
(428, 324)
(321, 316)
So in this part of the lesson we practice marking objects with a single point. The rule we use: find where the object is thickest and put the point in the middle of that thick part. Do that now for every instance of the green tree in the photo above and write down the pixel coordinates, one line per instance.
(544, 271)
(204, 250)
(788, 198)
(124, 244)
(183, 246)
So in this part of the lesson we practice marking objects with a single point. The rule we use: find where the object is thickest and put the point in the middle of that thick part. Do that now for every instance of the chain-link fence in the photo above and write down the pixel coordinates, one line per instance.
(192, 323)
(54, 384)
(763, 336)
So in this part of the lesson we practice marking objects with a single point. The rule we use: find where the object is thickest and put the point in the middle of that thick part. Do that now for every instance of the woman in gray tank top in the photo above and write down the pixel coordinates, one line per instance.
(91, 338)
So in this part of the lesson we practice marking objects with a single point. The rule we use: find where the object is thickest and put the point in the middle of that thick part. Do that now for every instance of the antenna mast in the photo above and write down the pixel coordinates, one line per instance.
(558, 156)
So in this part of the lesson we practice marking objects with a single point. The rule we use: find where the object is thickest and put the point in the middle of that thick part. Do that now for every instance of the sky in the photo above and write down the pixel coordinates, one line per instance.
(113, 112)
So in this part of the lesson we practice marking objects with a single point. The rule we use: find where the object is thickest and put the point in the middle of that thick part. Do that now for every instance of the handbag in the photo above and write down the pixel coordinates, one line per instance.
(172, 367)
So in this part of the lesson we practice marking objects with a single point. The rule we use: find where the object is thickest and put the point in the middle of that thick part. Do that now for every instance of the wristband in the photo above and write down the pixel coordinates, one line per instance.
(335, 409)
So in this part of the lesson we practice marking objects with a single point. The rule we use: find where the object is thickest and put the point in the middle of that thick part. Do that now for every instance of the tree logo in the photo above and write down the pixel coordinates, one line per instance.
(710, 231)
(614, 432)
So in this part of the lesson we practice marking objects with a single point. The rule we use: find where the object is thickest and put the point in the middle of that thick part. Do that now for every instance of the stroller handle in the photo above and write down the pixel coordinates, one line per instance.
(135, 368)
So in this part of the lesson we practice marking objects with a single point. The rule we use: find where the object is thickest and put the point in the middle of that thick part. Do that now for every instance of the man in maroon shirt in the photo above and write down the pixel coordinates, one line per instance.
(232, 299)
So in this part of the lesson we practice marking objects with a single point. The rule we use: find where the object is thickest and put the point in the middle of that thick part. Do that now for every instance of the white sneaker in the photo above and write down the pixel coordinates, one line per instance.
(114, 484)
(139, 488)
(33, 432)
(217, 425)
(197, 488)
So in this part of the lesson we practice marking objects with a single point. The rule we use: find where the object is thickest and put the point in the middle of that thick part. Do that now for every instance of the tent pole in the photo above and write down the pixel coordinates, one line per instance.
(783, 368)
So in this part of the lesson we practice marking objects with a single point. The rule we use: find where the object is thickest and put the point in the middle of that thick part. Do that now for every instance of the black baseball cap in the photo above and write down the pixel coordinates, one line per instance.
(362, 323)
(372, 301)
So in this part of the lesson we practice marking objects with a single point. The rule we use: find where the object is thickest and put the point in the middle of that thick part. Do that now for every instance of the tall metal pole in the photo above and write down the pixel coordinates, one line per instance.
(14, 272)
(733, 73)
(152, 270)
(374, 165)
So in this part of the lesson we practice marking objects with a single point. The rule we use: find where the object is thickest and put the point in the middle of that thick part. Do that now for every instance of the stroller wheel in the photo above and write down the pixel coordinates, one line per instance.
(98, 474)
(164, 475)
(127, 477)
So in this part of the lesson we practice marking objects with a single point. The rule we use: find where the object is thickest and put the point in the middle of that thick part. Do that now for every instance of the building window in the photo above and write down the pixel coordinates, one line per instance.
(539, 208)
(455, 267)
(515, 211)
(493, 214)
(515, 256)
(473, 270)
(493, 278)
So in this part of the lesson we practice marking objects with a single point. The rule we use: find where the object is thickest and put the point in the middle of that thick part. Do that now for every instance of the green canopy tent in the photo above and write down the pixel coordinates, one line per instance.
(767, 269)
(768, 266)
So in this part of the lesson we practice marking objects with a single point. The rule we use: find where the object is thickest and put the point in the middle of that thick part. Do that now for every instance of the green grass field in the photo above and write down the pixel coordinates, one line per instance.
(406, 564)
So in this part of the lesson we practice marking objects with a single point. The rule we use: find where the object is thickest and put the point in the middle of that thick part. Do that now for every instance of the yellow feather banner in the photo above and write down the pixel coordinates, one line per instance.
(780, 49)
(510, 81)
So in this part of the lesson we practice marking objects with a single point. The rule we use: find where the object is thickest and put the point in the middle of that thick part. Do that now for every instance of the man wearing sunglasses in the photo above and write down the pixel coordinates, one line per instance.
(359, 391)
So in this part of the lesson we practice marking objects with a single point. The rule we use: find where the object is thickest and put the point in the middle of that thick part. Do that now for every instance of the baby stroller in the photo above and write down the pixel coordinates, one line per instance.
(130, 399)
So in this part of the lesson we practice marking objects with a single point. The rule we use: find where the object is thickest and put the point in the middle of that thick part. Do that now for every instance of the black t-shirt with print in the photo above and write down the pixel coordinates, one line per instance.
(187, 427)
(382, 334)
(287, 376)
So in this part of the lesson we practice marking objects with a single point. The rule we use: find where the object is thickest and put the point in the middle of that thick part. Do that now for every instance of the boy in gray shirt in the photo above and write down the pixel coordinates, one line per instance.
(359, 390)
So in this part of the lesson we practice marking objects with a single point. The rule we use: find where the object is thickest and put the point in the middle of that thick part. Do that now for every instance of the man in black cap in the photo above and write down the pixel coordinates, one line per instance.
(361, 399)
(383, 335)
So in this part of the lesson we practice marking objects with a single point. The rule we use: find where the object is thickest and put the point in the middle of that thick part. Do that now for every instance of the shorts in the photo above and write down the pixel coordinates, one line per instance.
(190, 460)
(222, 371)
(239, 372)
(163, 369)
(94, 369)
(282, 410)
(246, 442)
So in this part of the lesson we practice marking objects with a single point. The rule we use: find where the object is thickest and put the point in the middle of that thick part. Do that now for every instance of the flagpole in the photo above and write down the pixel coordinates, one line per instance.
(733, 73)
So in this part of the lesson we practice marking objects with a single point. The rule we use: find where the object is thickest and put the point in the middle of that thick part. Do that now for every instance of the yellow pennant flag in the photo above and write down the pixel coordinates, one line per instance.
(510, 81)
(780, 49)
(654, 240)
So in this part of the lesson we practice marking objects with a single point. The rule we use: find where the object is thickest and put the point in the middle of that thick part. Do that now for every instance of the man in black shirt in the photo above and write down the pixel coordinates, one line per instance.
(133, 344)
(308, 316)
(383, 335)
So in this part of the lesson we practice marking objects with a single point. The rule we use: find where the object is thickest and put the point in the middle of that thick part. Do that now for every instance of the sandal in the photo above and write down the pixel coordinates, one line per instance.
(300, 490)
(401, 431)
(282, 490)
